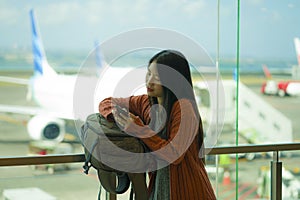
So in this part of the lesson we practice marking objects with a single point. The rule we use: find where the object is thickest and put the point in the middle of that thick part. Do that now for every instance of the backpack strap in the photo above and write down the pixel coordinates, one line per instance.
(99, 193)
(138, 181)
(87, 163)
(108, 181)
(131, 193)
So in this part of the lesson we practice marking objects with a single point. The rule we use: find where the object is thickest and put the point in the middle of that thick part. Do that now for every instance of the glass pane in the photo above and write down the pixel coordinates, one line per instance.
(268, 66)
(267, 59)
(268, 88)
(261, 118)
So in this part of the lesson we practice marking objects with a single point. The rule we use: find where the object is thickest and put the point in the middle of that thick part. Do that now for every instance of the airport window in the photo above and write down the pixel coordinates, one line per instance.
(254, 49)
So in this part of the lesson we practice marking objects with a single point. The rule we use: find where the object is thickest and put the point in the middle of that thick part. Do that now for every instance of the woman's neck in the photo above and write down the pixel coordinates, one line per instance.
(160, 100)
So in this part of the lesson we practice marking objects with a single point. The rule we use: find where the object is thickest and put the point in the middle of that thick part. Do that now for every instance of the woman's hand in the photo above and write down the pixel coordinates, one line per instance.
(128, 122)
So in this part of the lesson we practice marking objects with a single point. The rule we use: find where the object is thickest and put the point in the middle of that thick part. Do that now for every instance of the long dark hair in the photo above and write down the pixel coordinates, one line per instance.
(175, 77)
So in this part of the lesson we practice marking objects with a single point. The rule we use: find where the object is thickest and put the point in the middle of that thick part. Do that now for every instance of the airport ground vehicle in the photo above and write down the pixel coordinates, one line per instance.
(290, 184)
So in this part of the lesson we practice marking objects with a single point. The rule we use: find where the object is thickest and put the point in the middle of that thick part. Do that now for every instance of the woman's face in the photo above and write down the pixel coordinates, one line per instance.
(154, 87)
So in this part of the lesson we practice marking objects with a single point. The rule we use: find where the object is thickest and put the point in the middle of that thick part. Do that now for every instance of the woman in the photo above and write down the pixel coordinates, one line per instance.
(168, 122)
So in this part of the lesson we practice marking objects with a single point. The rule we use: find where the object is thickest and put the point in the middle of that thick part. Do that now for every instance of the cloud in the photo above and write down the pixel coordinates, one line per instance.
(290, 5)
(58, 13)
(8, 14)
(94, 12)
(192, 8)
(254, 2)
(77, 22)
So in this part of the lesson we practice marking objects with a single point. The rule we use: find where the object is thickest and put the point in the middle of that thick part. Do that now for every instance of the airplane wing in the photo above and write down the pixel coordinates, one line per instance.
(15, 80)
(30, 110)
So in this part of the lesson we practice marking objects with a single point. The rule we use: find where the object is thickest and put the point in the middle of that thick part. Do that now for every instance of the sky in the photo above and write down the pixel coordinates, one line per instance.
(267, 27)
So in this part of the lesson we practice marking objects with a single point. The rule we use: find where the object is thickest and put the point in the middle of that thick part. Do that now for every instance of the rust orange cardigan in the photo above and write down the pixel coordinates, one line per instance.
(188, 177)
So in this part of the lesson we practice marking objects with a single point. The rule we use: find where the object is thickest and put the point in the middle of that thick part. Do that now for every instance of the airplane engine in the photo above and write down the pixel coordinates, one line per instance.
(46, 128)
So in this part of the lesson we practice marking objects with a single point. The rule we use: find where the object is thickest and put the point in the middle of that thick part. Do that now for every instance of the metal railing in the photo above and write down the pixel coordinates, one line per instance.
(276, 165)
(71, 158)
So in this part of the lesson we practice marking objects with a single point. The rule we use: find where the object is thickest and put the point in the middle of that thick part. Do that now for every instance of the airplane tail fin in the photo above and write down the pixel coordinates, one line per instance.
(100, 60)
(297, 47)
(41, 66)
(267, 72)
(99, 57)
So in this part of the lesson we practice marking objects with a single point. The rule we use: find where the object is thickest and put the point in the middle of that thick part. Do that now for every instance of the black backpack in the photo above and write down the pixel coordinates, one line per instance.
(104, 144)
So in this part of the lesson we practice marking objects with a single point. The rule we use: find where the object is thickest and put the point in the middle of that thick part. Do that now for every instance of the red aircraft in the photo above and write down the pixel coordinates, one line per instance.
(283, 88)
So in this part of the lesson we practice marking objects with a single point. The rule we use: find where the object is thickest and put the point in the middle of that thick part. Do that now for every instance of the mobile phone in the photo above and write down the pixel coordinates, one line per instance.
(122, 110)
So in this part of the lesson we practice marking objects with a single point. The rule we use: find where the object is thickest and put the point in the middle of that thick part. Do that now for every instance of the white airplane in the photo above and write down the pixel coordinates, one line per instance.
(62, 97)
